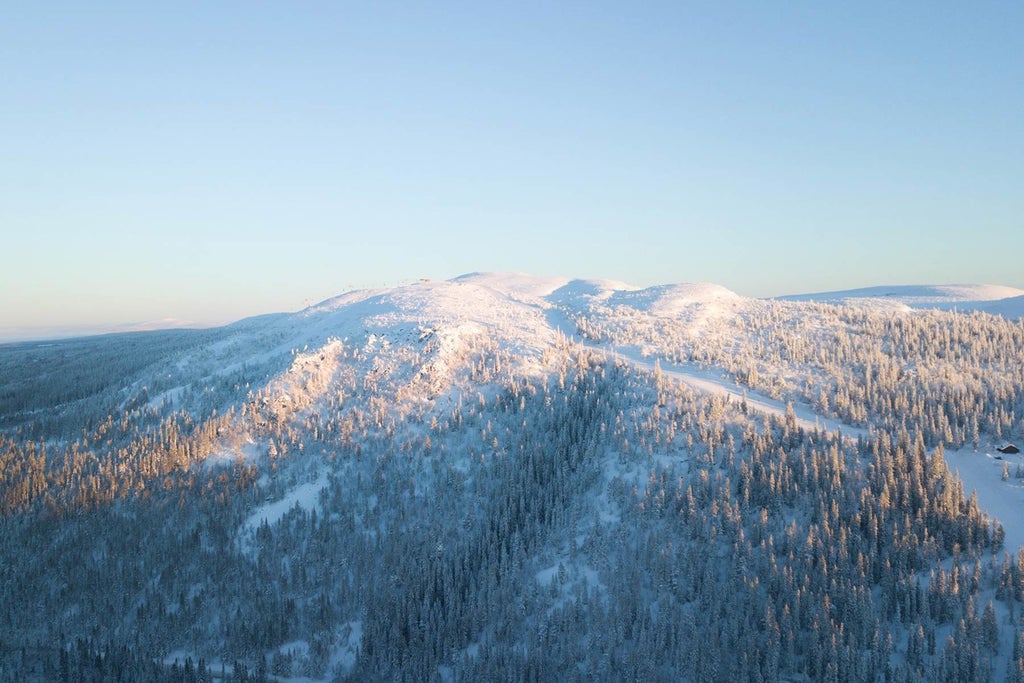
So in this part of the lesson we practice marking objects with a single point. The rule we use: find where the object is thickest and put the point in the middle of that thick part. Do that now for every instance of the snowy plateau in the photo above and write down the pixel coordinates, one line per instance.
(515, 478)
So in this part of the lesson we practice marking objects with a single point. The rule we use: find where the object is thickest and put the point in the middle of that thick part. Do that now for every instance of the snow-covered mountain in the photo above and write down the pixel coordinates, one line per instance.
(995, 299)
(507, 476)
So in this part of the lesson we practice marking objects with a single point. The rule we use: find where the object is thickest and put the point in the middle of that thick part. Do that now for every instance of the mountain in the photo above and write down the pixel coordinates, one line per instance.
(995, 299)
(504, 476)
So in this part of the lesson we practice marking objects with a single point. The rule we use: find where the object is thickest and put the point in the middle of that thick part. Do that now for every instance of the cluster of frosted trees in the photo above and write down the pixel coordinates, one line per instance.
(88, 426)
(587, 522)
(952, 377)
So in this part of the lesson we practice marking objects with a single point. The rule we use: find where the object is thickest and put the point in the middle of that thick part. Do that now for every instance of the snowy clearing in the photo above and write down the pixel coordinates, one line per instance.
(304, 495)
(1004, 500)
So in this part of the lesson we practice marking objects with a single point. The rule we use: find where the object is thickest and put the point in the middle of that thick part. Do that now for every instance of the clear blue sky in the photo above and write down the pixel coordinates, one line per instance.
(210, 161)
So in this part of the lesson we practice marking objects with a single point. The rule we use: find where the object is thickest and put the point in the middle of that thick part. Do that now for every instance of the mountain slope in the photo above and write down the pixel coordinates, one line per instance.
(503, 476)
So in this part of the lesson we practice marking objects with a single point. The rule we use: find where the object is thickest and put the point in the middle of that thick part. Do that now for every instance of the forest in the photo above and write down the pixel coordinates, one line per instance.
(405, 492)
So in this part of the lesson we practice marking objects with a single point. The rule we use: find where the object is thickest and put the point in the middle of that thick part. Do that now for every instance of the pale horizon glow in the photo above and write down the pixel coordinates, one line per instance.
(198, 164)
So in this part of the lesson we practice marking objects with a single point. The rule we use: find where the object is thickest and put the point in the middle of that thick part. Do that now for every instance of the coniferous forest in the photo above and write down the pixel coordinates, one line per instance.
(459, 482)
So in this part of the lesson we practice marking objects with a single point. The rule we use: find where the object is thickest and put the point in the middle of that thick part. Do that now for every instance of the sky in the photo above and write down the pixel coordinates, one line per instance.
(204, 162)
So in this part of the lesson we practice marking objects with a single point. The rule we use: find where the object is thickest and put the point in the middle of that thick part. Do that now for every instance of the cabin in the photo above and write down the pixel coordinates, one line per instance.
(1009, 449)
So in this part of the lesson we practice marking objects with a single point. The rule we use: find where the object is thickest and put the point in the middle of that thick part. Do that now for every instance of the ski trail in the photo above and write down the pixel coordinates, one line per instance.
(709, 383)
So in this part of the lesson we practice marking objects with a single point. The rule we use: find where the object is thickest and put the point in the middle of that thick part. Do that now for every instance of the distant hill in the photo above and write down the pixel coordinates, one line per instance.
(996, 299)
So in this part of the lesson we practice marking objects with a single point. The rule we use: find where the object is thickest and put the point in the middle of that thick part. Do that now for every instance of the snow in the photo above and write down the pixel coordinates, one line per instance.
(579, 292)
(515, 285)
(472, 305)
(420, 336)
(1003, 500)
(546, 576)
(1011, 307)
(997, 299)
(344, 657)
(709, 382)
(243, 452)
(166, 398)
(916, 294)
(341, 301)
(304, 495)
(672, 300)
(527, 315)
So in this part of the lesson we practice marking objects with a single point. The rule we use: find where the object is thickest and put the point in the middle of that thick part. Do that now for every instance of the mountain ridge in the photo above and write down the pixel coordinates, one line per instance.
(667, 298)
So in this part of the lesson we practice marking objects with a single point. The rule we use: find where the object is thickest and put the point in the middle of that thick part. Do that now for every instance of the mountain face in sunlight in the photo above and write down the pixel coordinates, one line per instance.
(504, 476)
